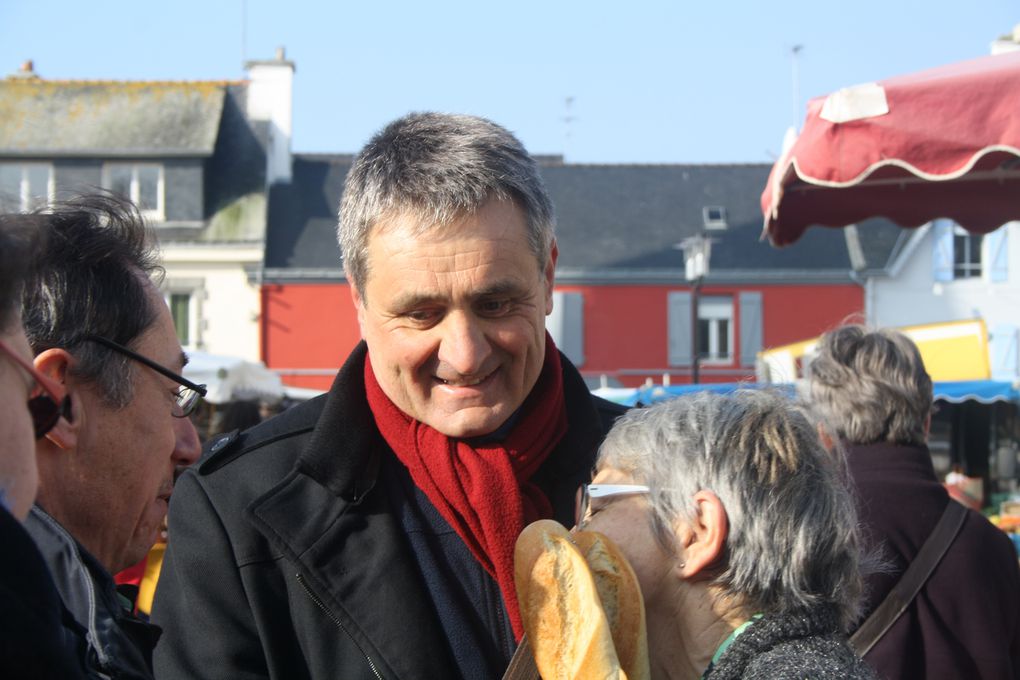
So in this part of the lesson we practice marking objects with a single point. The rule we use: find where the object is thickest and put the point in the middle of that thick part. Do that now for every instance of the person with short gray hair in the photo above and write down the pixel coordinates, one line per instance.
(369, 533)
(873, 397)
(742, 533)
(435, 167)
(871, 386)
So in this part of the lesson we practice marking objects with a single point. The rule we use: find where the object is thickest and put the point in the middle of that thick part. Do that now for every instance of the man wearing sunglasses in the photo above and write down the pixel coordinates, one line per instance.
(100, 330)
(33, 642)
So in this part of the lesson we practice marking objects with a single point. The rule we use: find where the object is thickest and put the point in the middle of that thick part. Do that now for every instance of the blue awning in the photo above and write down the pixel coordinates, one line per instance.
(651, 395)
(983, 391)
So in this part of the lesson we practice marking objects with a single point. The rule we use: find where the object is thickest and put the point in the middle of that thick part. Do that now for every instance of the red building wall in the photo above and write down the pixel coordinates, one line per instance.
(309, 329)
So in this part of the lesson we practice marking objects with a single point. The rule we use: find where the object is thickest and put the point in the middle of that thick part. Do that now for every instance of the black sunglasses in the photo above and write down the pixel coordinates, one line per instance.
(187, 395)
(51, 402)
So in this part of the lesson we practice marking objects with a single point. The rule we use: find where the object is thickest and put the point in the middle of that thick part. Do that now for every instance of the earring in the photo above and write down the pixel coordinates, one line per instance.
(683, 564)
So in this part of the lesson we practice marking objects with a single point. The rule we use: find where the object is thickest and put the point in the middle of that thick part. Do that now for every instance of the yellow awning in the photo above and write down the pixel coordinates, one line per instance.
(951, 351)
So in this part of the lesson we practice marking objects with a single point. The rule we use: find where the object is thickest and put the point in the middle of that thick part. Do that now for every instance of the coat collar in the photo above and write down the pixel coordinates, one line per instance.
(324, 519)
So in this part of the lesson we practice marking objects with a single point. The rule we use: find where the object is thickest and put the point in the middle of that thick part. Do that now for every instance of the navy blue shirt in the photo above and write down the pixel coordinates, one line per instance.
(468, 601)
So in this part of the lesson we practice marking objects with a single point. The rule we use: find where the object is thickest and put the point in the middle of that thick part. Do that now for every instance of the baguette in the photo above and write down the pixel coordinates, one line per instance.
(560, 607)
(621, 600)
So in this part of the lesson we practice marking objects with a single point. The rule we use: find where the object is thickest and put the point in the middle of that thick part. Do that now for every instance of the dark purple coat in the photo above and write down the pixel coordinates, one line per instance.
(965, 622)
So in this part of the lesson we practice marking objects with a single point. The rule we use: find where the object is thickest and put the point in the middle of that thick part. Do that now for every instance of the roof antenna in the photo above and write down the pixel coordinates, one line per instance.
(568, 120)
(244, 31)
(795, 55)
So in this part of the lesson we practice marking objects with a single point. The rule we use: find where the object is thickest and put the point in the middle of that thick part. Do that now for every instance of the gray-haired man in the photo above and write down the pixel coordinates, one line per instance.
(369, 533)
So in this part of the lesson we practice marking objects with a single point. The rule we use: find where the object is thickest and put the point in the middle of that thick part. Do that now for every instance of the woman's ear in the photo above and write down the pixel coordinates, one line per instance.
(705, 537)
(55, 363)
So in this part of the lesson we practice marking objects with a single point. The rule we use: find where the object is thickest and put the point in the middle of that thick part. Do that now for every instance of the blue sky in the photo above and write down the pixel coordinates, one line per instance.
(651, 81)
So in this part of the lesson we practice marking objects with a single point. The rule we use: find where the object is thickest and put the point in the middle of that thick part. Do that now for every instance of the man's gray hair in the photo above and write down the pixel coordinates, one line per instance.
(793, 539)
(437, 168)
(870, 386)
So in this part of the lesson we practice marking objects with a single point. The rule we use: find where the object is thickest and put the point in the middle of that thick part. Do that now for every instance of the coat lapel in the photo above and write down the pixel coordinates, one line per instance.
(345, 540)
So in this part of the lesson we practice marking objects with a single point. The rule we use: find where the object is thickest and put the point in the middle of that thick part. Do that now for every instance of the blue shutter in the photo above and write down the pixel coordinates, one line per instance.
(750, 327)
(566, 325)
(998, 255)
(942, 254)
(1004, 352)
(679, 320)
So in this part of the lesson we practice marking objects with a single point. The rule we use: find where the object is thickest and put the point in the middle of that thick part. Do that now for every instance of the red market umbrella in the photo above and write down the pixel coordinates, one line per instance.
(940, 143)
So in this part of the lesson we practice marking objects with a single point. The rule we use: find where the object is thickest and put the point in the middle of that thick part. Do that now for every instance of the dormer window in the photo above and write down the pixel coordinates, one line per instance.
(142, 183)
(714, 216)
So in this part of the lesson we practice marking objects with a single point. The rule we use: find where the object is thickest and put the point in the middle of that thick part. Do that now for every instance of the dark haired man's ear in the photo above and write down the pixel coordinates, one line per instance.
(56, 363)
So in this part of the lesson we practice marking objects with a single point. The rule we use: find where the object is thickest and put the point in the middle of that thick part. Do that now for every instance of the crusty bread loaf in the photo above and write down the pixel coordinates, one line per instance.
(560, 607)
(621, 600)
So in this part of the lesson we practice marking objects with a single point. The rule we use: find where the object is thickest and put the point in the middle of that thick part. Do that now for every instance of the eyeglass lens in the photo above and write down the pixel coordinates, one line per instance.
(187, 400)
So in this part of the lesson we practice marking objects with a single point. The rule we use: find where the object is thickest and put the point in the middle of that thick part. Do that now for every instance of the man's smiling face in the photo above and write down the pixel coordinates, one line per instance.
(454, 319)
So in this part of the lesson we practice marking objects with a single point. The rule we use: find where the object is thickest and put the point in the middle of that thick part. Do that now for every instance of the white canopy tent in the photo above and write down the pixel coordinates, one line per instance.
(231, 378)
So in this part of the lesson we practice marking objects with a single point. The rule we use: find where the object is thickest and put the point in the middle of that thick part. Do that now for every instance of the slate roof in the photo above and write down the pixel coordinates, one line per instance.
(56, 118)
(616, 223)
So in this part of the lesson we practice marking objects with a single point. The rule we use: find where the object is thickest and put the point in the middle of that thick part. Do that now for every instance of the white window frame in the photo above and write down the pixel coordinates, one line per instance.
(193, 341)
(716, 308)
(976, 271)
(712, 222)
(159, 213)
(25, 195)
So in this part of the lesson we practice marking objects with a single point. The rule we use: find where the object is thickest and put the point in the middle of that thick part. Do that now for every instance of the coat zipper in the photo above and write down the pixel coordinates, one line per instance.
(337, 622)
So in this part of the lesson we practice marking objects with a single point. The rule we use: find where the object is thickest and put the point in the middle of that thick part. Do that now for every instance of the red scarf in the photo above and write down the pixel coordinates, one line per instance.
(483, 492)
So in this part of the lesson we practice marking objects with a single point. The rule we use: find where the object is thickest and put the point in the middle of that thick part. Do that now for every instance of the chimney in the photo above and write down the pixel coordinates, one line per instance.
(270, 99)
(26, 72)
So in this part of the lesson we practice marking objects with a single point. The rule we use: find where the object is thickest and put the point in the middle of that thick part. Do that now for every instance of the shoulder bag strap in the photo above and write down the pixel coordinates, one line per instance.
(522, 665)
(912, 580)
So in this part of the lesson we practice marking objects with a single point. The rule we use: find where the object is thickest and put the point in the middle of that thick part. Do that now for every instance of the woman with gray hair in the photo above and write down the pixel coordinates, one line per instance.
(742, 534)
(874, 397)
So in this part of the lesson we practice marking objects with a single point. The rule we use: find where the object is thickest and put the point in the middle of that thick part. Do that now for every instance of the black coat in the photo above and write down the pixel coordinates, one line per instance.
(113, 642)
(965, 622)
(285, 560)
(34, 627)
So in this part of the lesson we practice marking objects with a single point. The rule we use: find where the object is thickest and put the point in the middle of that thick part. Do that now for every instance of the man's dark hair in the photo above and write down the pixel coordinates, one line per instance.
(91, 280)
(20, 238)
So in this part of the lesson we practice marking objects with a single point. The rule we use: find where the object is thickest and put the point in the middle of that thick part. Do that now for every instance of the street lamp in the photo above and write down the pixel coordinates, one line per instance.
(697, 253)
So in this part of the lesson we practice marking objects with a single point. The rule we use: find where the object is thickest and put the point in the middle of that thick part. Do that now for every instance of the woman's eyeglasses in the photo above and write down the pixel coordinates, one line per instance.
(49, 402)
(590, 491)
(187, 394)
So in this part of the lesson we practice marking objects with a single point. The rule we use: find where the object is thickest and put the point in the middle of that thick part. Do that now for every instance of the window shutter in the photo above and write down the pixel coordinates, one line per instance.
(998, 255)
(679, 327)
(751, 341)
(566, 325)
(942, 254)
(1005, 353)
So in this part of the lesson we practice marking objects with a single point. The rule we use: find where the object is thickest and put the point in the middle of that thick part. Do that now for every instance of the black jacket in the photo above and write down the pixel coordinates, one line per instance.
(35, 630)
(285, 560)
(113, 642)
(965, 622)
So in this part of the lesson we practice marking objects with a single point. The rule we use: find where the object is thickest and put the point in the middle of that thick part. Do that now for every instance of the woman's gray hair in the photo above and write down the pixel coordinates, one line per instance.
(870, 386)
(438, 167)
(793, 536)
